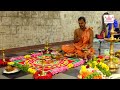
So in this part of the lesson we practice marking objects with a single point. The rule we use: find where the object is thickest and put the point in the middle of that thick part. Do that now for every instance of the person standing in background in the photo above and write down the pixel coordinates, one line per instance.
(109, 25)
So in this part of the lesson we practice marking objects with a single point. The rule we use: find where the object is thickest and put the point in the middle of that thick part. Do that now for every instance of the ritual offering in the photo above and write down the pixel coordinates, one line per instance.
(56, 55)
(90, 73)
(10, 70)
(95, 69)
(39, 63)
(45, 64)
(69, 55)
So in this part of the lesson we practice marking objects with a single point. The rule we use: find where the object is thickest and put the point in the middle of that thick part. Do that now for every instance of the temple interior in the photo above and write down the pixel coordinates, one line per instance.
(23, 33)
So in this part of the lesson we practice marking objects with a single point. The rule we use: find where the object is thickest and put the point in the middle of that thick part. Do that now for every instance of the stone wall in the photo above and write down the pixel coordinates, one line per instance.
(27, 28)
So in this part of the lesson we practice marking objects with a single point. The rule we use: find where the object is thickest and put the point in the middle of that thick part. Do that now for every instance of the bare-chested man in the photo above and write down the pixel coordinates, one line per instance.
(83, 39)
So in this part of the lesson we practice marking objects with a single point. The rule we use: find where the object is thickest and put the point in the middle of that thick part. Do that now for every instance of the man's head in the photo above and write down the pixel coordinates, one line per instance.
(82, 22)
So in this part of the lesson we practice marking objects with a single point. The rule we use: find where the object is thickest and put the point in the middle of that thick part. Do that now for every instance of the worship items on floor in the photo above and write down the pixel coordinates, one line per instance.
(42, 66)
(94, 69)
(10, 70)
(90, 73)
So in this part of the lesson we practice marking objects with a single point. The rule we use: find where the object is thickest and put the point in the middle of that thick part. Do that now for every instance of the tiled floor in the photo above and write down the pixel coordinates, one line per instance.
(70, 74)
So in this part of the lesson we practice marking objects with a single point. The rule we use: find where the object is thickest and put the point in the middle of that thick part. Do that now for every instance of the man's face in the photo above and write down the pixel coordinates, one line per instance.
(81, 24)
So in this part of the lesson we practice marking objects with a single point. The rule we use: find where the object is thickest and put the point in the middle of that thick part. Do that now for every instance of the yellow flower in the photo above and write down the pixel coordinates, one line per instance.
(29, 65)
(80, 71)
(65, 62)
(62, 64)
(10, 63)
(49, 66)
(94, 62)
(100, 63)
(27, 56)
(103, 65)
(70, 65)
(107, 69)
(83, 68)
(96, 68)
(90, 65)
(31, 70)
(26, 62)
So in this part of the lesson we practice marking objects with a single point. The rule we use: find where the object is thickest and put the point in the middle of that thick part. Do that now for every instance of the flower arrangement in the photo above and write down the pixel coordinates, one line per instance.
(98, 63)
(32, 64)
(90, 73)
(104, 69)
(21, 67)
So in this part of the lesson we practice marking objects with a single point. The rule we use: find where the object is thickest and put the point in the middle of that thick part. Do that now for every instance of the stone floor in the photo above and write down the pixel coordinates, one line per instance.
(70, 74)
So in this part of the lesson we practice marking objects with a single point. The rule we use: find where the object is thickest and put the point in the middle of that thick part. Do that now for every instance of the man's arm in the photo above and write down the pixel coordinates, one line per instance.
(91, 39)
(76, 39)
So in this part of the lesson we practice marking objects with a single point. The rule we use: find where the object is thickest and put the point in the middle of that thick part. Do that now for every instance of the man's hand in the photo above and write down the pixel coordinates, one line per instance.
(76, 40)
(85, 49)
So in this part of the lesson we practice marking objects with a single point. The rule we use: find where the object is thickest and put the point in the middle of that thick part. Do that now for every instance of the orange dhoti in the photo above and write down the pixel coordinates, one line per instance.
(72, 49)
(76, 48)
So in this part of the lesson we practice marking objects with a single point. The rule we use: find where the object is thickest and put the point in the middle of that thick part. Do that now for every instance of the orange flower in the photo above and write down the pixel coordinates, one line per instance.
(97, 77)
(85, 74)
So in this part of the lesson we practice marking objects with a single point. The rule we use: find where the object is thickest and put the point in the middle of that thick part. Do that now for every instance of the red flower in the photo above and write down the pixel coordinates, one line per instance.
(46, 69)
(2, 63)
(98, 61)
(101, 57)
(83, 76)
(87, 66)
(70, 61)
(47, 76)
(22, 62)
